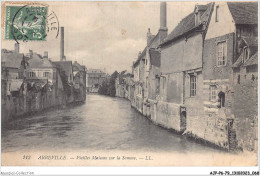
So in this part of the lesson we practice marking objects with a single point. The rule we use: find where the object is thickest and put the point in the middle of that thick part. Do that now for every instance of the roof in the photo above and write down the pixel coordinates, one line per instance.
(12, 60)
(238, 61)
(64, 66)
(16, 85)
(155, 57)
(188, 23)
(251, 41)
(89, 71)
(252, 60)
(78, 66)
(154, 42)
(244, 12)
(39, 62)
(140, 57)
(252, 44)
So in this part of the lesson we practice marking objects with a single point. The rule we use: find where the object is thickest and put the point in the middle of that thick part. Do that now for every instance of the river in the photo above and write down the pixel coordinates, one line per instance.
(101, 123)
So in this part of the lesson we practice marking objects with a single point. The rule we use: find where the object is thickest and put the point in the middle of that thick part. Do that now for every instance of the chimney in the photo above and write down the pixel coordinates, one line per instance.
(30, 53)
(62, 57)
(163, 14)
(139, 54)
(16, 48)
(149, 36)
(163, 31)
(45, 55)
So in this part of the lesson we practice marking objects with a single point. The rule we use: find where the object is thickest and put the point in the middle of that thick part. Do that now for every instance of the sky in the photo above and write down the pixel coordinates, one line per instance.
(105, 35)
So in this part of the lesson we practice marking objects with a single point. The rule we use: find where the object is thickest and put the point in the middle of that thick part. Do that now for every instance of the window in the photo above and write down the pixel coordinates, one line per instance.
(221, 53)
(245, 55)
(213, 94)
(163, 82)
(238, 79)
(45, 74)
(31, 74)
(158, 85)
(221, 96)
(193, 82)
(217, 13)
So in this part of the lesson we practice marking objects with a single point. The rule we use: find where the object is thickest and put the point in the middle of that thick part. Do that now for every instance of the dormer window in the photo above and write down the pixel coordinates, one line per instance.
(198, 14)
(217, 13)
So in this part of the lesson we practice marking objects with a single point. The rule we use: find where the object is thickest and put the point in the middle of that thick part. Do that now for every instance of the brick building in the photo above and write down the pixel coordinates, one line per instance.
(229, 56)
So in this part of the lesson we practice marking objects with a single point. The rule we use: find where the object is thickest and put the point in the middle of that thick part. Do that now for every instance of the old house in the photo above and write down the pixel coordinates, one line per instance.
(12, 71)
(13, 66)
(153, 82)
(120, 84)
(79, 73)
(123, 85)
(181, 79)
(65, 71)
(94, 79)
(40, 68)
(229, 57)
(142, 67)
(43, 83)
(139, 71)
(235, 47)
(128, 85)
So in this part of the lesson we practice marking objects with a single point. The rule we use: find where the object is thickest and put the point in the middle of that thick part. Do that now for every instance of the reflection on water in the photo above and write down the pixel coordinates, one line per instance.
(102, 123)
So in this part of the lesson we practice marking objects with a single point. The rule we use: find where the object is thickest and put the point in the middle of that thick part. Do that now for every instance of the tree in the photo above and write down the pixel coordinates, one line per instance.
(108, 86)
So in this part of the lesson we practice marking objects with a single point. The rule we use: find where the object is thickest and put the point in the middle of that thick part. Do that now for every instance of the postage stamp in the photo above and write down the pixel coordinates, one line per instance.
(25, 23)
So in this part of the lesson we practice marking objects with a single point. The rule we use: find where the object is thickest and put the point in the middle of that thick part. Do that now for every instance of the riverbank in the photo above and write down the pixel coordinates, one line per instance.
(34, 99)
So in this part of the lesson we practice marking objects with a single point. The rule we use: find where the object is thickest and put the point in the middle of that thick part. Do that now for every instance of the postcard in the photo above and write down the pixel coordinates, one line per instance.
(129, 83)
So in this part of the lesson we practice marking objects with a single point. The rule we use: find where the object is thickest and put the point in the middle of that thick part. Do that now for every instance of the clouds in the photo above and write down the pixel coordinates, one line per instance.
(106, 34)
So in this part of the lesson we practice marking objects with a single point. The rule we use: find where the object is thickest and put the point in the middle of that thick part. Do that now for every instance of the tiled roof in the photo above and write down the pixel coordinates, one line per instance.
(253, 60)
(38, 62)
(12, 60)
(155, 57)
(188, 23)
(244, 12)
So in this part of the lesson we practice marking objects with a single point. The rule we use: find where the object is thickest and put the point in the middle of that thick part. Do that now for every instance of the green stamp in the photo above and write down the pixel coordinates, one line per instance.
(25, 23)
